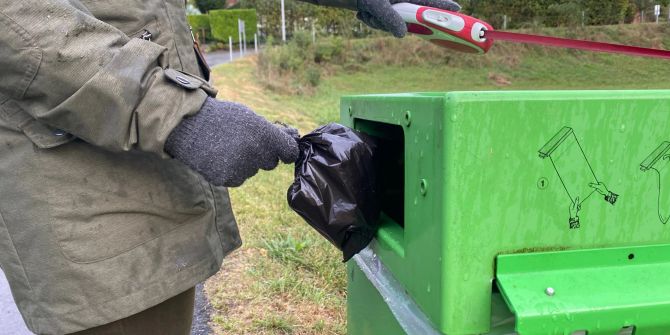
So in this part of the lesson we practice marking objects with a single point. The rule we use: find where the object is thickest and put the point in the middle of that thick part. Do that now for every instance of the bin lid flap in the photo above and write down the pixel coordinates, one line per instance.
(593, 291)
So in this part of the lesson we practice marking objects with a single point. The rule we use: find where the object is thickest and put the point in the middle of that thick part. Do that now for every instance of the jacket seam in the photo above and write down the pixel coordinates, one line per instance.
(173, 32)
(198, 267)
(23, 268)
(31, 68)
(216, 213)
(122, 252)
(152, 23)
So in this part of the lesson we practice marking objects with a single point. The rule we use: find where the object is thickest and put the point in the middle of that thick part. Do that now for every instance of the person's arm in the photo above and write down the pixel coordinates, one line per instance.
(74, 72)
(379, 14)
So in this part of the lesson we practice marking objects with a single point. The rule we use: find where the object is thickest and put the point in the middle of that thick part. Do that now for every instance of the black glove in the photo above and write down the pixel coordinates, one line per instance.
(227, 143)
(379, 14)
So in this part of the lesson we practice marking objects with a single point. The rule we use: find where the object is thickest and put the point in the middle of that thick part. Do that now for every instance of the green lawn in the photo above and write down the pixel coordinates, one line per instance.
(286, 279)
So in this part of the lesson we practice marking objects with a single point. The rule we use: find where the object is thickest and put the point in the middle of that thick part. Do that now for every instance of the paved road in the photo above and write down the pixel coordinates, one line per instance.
(217, 57)
(11, 320)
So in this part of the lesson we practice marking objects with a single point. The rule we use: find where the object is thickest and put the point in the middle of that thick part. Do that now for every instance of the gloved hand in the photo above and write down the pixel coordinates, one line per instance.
(227, 143)
(379, 14)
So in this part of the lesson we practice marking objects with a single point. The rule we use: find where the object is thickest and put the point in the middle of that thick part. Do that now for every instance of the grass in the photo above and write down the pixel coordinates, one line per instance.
(286, 279)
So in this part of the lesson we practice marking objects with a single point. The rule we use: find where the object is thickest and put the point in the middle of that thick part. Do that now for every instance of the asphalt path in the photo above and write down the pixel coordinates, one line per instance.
(10, 319)
(217, 57)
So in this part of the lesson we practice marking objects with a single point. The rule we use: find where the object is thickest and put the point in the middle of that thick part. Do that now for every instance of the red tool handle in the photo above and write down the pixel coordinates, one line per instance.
(464, 33)
(576, 44)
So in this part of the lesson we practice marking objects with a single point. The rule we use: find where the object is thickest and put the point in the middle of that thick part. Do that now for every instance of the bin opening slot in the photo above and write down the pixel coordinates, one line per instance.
(389, 166)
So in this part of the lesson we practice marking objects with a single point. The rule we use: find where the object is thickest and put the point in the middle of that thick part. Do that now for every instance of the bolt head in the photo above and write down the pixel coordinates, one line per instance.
(550, 291)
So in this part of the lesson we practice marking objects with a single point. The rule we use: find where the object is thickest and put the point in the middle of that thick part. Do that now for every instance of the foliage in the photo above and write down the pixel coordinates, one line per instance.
(290, 68)
(301, 16)
(206, 5)
(552, 13)
(198, 22)
(199, 25)
(286, 276)
(223, 23)
(644, 6)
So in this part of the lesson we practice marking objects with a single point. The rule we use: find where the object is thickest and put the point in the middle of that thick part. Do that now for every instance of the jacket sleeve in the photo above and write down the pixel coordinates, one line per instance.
(76, 73)
(347, 4)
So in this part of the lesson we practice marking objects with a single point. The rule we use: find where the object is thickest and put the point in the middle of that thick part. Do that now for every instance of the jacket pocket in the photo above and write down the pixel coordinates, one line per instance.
(42, 135)
(149, 32)
(103, 204)
(226, 225)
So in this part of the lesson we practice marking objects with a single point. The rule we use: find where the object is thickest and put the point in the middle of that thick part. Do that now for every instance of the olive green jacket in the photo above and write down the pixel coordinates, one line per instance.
(96, 222)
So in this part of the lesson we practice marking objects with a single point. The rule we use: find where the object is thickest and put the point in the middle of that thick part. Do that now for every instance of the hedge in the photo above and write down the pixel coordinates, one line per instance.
(223, 23)
(198, 22)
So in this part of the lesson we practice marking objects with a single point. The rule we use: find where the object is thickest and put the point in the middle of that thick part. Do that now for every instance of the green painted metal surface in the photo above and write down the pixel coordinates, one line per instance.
(369, 314)
(473, 175)
(596, 290)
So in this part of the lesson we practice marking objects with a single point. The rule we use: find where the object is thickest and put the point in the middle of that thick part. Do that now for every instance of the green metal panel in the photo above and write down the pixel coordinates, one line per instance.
(367, 314)
(490, 173)
(597, 290)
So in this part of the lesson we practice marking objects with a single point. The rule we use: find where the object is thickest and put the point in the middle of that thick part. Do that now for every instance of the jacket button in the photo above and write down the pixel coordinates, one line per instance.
(59, 132)
(183, 80)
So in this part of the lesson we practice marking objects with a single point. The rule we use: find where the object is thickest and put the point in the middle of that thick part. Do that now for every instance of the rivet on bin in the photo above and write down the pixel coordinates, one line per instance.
(423, 187)
(408, 118)
(550, 291)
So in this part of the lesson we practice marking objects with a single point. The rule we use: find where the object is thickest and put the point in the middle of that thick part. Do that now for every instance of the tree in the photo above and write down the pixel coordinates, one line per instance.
(301, 15)
(600, 12)
(206, 5)
(548, 12)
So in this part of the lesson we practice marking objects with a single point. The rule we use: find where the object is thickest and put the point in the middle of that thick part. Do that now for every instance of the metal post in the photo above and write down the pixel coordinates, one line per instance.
(239, 35)
(583, 18)
(230, 47)
(505, 22)
(256, 42)
(313, 33)
(283, 22)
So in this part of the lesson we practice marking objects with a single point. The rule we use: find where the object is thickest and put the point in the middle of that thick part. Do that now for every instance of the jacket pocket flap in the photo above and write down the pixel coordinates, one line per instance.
(43, 136)
(188, 81)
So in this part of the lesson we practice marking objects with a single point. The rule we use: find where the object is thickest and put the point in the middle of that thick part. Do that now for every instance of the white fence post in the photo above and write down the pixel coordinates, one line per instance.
(239, 35)
(313, 33)
(283, 22)
(230, 47)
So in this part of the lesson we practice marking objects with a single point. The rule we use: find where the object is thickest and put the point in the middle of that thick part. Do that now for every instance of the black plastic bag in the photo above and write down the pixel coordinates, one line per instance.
(334, 187)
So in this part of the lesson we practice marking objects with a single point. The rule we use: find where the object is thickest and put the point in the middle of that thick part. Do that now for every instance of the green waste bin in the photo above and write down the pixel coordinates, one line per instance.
(536, 212)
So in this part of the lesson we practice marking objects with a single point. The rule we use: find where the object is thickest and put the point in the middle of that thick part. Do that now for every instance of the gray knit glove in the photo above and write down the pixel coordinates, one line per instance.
(227, 143)
(379, 14)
